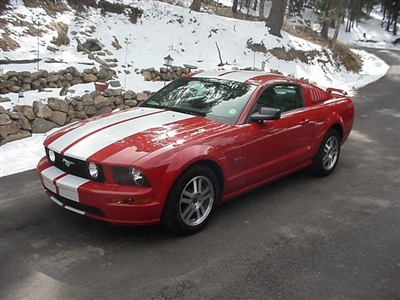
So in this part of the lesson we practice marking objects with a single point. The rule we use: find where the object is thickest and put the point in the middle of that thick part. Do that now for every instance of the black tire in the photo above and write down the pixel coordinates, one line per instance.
(191, 201)
(328, 154)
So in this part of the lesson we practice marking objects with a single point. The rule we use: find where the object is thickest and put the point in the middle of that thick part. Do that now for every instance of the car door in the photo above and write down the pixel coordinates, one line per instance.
(278, 146)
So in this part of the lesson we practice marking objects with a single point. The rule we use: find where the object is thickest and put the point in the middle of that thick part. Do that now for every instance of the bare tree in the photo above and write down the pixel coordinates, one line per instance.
(276, 16)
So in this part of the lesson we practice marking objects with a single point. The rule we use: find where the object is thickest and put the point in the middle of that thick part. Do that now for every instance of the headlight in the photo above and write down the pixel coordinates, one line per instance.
(93, 170)
(138, 177)
(129, 176)
(52, 156)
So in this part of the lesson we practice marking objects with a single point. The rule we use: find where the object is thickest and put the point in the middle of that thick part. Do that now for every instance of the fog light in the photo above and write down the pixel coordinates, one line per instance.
(131, 201)
(52, 156)
(93, 171)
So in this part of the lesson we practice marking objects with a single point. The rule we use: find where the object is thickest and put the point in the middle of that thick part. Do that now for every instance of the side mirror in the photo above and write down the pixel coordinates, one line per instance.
(265, 114)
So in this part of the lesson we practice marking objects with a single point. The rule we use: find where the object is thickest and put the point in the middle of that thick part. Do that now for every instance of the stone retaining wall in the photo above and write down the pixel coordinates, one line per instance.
(13, 82)
(41, 117)
(164, 74)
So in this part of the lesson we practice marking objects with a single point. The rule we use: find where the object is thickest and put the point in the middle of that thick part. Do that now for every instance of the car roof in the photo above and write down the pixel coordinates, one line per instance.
(251, 77)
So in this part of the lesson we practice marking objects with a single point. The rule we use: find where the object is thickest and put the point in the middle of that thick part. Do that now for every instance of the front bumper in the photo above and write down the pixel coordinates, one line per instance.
(97, 200)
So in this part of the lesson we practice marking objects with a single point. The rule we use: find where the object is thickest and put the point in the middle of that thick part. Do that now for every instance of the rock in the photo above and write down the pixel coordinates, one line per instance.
(100, 101)
(101, 54)
(104, 110)
(35, 84)
(71, 70)
(52, 85)
(141, 96)
(5, 119)
(5, 99)
(112, 92)
(36, 75)
(92, 45)
(115, 83)
(57, 104)
(17, 136)
(102, 75)
(80, 115)
(58, 117)
(108, 52)
(2, 110)
(118, 100)
(95, 93)
(68, 77)
(89, 78)
(87, 100)
(26, 80)
(41, 110)
(52, 49)
(40, 125)
(76, 81)
(26, 87)
(11, 128)
(24, 123)
(147, 75)
(53, 77)
(15, 115)
(90, 110)
(130, 103)
(26, 110)
(6, 84)
(71, 111)
(100, 61)
(112, 65)
(129, 95)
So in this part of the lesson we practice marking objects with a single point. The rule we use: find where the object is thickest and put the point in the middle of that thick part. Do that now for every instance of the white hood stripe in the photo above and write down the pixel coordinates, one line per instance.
(230, 75)
(65, 186)
(65, 140)
(103, 138)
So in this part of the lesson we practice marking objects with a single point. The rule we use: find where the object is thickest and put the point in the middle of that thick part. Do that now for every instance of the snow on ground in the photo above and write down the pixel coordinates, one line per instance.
(189, 37)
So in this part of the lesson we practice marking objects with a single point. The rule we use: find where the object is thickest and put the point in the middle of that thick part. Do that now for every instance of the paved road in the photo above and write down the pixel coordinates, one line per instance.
(298, 238)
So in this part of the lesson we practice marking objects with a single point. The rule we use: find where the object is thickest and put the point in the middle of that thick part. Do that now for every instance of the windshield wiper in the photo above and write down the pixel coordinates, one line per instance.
(185, 111)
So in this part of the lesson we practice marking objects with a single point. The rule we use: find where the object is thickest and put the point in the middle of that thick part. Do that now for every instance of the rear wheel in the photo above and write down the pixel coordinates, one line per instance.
(328, 154)
(191, 201)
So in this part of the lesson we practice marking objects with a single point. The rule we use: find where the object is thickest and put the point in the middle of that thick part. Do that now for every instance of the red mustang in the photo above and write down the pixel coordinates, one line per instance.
(201, 140)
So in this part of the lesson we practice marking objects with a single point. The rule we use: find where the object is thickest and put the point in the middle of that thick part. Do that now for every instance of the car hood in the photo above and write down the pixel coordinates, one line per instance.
(124, 137)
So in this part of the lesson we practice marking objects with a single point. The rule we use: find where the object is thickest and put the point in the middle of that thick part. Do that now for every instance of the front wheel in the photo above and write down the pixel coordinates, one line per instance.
(191, 201)
(328, 154)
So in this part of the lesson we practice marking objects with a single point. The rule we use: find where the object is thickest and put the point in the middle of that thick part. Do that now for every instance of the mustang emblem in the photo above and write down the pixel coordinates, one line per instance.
(67, 162)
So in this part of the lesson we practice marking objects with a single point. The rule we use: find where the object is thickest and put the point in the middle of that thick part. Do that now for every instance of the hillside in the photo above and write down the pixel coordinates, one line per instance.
(159, 29)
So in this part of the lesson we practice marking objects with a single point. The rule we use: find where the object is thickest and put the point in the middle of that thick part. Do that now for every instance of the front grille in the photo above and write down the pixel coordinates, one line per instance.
(77, 205)
(75, 166)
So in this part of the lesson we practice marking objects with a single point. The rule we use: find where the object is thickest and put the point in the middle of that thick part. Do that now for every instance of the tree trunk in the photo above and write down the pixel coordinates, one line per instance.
(276, 16)
(235, 6)
(261, 11)
(196, 5)
(255, 5)
(336, 34)
(327, 21)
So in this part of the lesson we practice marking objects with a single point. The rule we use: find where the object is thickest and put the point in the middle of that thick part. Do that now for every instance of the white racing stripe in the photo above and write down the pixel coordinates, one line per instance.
(242, 76)
(48, 176)
(230, 75)
(68, 186)
(99, 140)
(59, 144)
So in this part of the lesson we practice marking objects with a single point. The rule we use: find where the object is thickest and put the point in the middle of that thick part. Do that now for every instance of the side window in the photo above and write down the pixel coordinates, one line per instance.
(286, 97)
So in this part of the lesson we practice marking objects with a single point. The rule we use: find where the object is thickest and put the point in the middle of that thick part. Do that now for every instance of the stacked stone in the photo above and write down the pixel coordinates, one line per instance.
(41, 117)
(164, 74)
(14, 82)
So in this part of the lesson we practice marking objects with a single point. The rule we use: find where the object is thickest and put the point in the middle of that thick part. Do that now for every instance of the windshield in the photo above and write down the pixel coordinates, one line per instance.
(215, 99)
